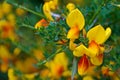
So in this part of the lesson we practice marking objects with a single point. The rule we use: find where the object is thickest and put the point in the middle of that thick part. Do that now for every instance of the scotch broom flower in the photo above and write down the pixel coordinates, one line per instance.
(58, 65)
(41, 23)
(5, 56)
(97, 36)
(7, 8)
(76, 22)
(83, 65)
(48, 7)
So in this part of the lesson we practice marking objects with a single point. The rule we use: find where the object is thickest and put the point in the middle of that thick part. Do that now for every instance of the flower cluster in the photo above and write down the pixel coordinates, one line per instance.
(93, 53)
(60, 44)
(90, 55)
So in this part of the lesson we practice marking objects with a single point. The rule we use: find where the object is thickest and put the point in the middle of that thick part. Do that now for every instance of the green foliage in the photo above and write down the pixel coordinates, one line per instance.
(96, 12)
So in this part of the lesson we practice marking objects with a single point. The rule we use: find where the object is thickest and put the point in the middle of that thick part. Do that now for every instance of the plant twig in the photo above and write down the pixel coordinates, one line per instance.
(93, 19)
(25, 8)
(74, 68)
(28, 26)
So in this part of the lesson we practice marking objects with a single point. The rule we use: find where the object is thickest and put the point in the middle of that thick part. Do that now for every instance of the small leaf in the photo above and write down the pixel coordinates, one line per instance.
(74, 68)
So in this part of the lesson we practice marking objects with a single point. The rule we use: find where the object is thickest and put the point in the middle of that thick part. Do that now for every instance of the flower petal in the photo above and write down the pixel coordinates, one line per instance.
(107, 33)
(61, 59)
(52, 5)
(80, 51)
(97, 60)
(93, 48)
(41, 23)
(73, 33)
(83, 65)
(72, 45)
(97, 34)
(47, 11)
(88, 78)
(75, 18)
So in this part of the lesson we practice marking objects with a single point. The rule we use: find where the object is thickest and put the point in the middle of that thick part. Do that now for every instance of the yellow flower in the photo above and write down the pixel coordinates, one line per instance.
(58, 65)
(30, 76)
(72, 45)
(11, 74)
(17, 51)
(5, 57)
(47, 11)
(73, 33)
(70, 6)
(83, 65)
(38, 54)
(97, 36)
(7, 8)
(41, 23)
(20, 11)
(48, 7)
(88, 78)
(75, 19)
(28, 65)
(12, 19)
(76, 22)
(7, 30)
(1, 12)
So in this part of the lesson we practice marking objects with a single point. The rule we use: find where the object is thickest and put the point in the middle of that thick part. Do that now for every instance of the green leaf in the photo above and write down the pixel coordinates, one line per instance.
(74, 68)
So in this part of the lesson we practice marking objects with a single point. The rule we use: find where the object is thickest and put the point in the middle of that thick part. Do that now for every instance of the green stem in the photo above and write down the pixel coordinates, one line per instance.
(95, 15)
(28, 26)
(74, 68)
(25, 8)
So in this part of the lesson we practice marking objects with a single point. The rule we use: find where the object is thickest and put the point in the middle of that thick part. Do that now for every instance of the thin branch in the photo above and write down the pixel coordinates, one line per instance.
(28, 26)
(25, 8)
(94, 18)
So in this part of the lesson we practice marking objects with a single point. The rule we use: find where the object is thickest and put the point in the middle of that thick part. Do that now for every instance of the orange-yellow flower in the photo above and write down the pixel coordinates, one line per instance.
(48, 7)
(7, 30)
(88, 78)
(7, 8)
(20, 11)
(41, 23)
(83, 65)
(58, 66)
(75, 21)
(97, 36)
(5, 56)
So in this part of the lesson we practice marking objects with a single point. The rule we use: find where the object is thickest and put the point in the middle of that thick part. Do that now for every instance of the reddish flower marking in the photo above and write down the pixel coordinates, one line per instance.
(83, 65)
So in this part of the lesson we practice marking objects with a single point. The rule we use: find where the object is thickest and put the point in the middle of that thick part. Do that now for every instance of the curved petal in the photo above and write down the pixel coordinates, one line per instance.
(72, 45)
(107, 33)
(75, 18)
(47, 11)
(52, 5)
(80, 51)
(97, 60)
(73, 33)
(97, 34)
(93, 48)
(83, 65)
